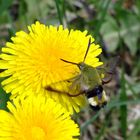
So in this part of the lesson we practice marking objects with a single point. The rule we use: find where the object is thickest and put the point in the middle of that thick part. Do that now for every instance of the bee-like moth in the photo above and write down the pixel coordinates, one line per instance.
(89, 82)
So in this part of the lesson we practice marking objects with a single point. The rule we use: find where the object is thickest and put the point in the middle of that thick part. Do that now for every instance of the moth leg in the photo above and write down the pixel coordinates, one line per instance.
(75, 95)
(106, 80)
(49, 88)
(110, 72)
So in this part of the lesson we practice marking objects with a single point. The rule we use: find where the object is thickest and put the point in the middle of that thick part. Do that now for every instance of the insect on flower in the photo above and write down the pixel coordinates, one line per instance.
(88, 82)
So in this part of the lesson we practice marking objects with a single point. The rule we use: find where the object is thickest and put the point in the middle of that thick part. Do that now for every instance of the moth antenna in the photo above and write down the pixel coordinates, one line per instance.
(69, 62)
(89, 43)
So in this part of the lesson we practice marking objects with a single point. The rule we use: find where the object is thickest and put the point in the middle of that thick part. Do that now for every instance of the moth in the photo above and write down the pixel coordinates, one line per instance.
(89, 82)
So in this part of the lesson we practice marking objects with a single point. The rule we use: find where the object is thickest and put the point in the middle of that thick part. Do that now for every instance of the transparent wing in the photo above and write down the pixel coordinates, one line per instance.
(71, 87)
(108, 69)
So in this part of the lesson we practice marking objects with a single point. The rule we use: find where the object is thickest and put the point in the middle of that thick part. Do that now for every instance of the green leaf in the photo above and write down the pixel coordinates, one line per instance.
(4, 5)
(3, 99)
(130, 31)
(23, 7)
(123, 108)
(110, 33)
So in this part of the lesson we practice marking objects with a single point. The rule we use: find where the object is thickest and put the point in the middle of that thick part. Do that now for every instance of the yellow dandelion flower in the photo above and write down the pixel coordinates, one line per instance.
(37, 118)
(32, 61)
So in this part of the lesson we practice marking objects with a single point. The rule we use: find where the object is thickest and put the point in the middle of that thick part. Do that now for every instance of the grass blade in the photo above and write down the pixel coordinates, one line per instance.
(88, 122)
(60, 10)
(123, 108)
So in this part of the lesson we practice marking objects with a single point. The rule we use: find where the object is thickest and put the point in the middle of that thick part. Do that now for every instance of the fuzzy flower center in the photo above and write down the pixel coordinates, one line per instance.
(38, 133)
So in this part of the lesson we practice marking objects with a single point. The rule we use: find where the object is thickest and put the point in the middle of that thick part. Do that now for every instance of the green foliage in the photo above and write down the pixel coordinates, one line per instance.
(123, 108)
(3, 98)
(4, 5)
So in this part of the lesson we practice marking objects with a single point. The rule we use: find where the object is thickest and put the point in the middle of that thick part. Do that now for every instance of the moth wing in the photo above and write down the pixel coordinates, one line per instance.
(69, 86)
(109, 68)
